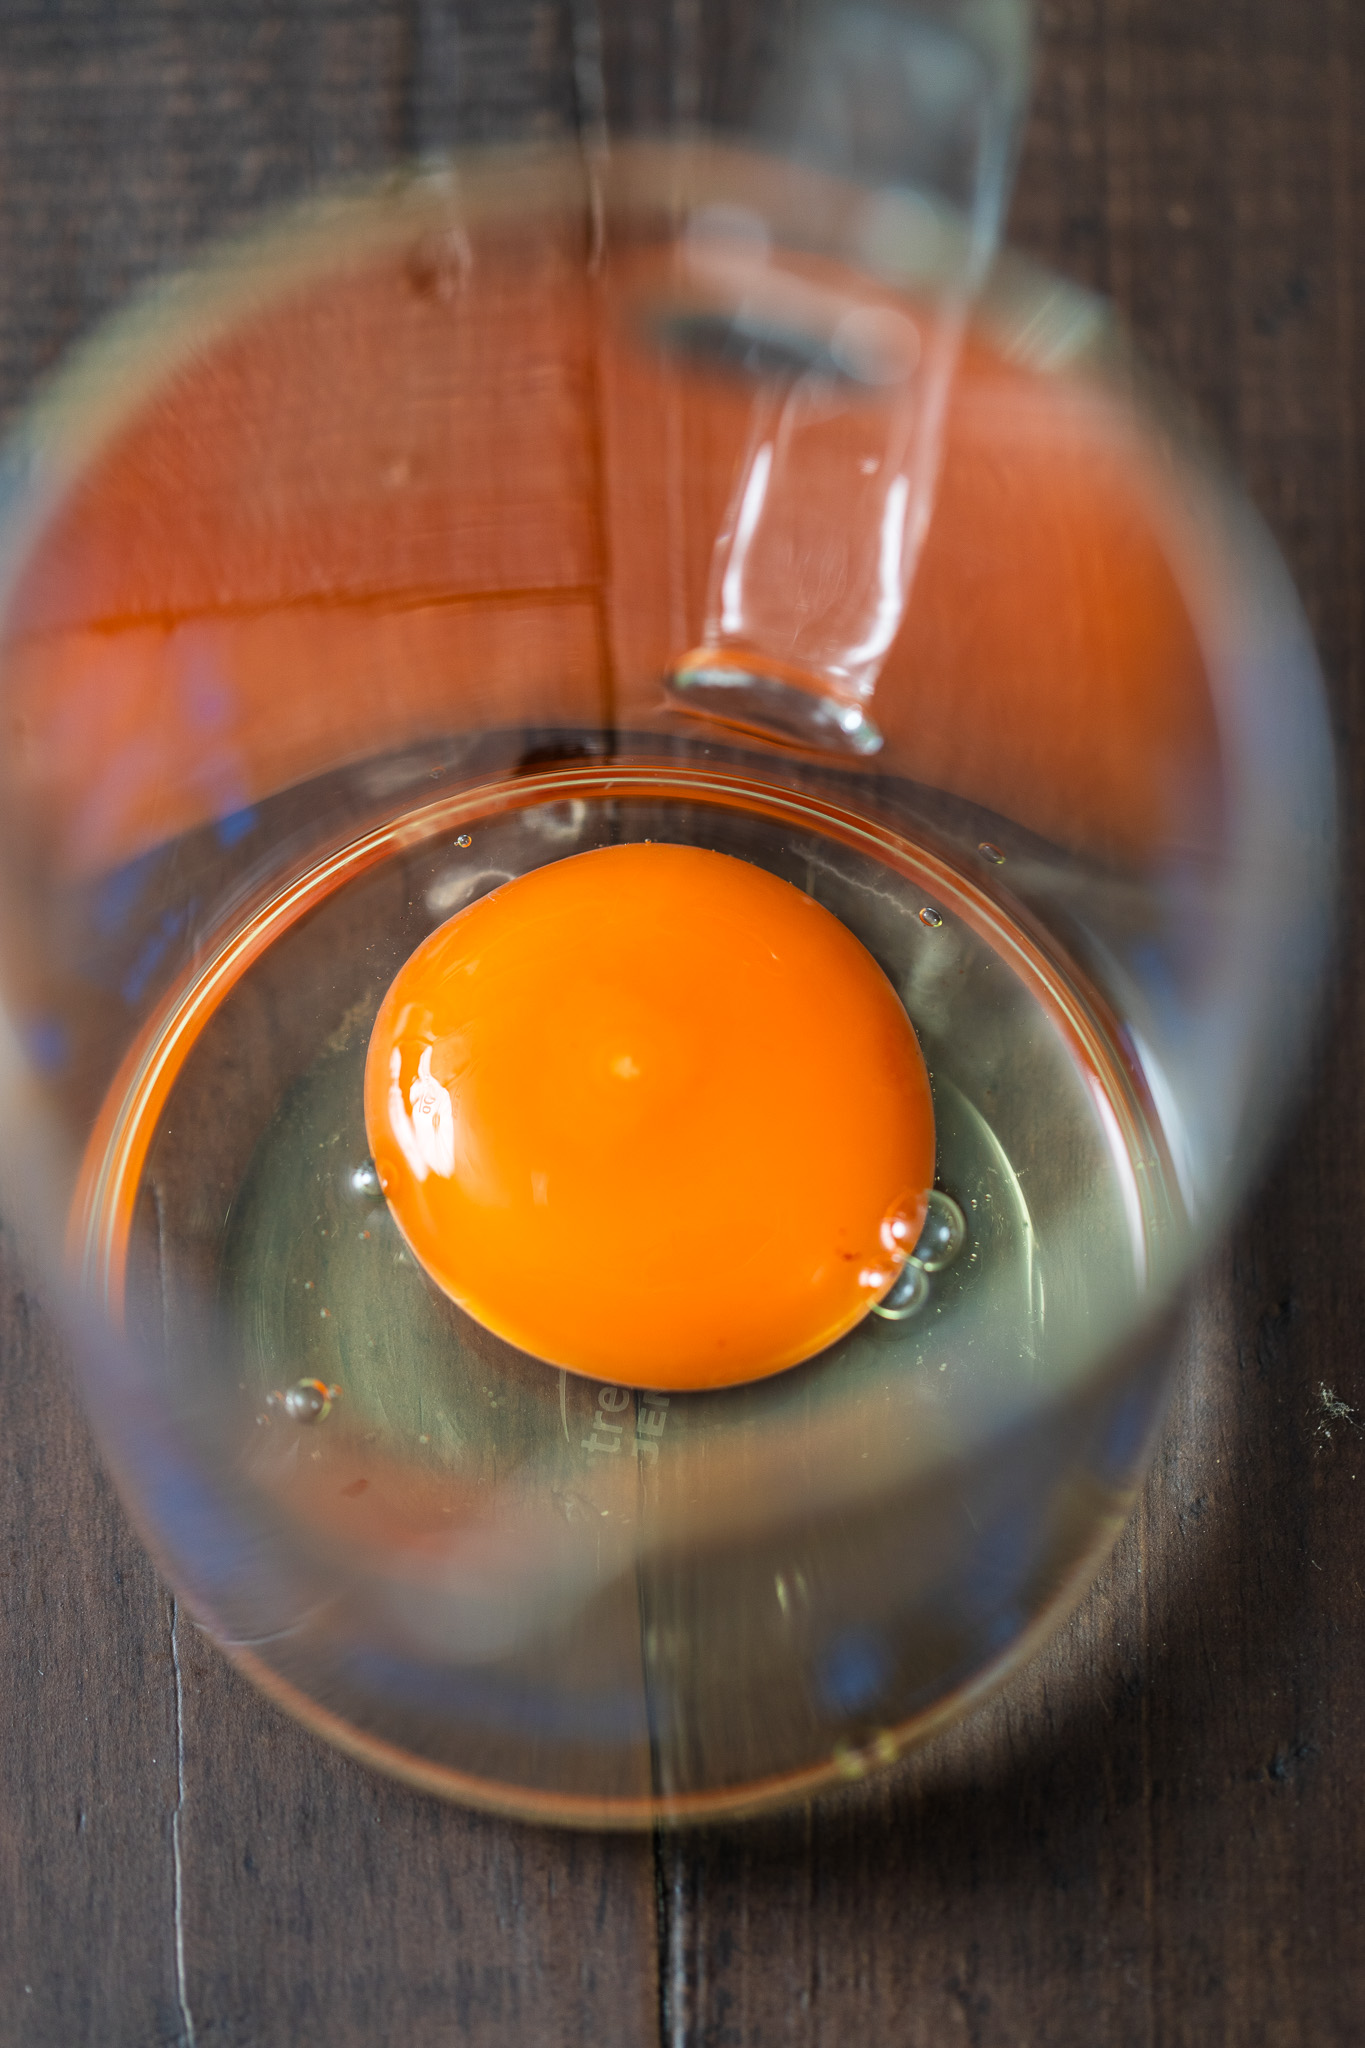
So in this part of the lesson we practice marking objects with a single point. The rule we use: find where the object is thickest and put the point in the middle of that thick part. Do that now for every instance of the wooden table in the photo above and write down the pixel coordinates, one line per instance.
(1161, 1837)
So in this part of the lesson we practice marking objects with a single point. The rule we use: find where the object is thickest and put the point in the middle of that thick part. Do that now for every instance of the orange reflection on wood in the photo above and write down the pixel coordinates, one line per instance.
(459, 486)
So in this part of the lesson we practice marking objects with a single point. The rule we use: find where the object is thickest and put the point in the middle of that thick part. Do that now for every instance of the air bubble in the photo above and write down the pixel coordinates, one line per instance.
(943, 1235)
(933, 918)
(907, 1297)
(364, 1179)
(310, 1401)
(898, 1226)
(463, 839)
(991, 853)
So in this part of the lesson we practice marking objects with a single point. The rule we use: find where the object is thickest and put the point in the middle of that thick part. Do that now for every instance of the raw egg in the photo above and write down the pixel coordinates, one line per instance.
(654, 1115)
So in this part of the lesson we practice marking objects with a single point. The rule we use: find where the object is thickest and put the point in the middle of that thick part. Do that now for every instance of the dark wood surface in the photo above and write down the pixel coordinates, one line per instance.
(1154, 1835)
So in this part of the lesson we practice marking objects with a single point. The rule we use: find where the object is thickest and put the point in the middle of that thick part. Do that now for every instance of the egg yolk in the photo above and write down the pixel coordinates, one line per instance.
(652, 1114)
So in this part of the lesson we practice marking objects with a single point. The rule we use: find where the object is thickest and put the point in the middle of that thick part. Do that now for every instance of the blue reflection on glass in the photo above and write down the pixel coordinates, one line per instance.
(48, 1044)
(852, 1671)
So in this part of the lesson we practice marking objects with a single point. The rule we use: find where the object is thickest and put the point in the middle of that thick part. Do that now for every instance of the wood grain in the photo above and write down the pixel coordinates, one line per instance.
(1153, 1836)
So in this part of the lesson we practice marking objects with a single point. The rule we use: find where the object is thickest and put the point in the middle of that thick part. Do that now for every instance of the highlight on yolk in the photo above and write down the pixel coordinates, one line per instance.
(652, 1114)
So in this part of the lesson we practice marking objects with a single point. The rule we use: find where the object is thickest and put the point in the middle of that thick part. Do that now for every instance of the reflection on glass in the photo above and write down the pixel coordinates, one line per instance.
(852, 367)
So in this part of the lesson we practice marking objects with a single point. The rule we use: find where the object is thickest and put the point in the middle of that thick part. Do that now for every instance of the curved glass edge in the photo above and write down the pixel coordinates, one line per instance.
(199, 1545)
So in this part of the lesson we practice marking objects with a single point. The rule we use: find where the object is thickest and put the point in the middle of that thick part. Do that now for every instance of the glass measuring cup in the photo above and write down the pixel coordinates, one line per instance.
(363, 573)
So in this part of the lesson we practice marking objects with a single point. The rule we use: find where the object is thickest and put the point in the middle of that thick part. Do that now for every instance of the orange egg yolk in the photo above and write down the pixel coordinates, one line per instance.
(652, 1114)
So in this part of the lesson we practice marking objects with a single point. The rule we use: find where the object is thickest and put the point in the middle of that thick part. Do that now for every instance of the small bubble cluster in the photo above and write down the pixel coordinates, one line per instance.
(941, 1238)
